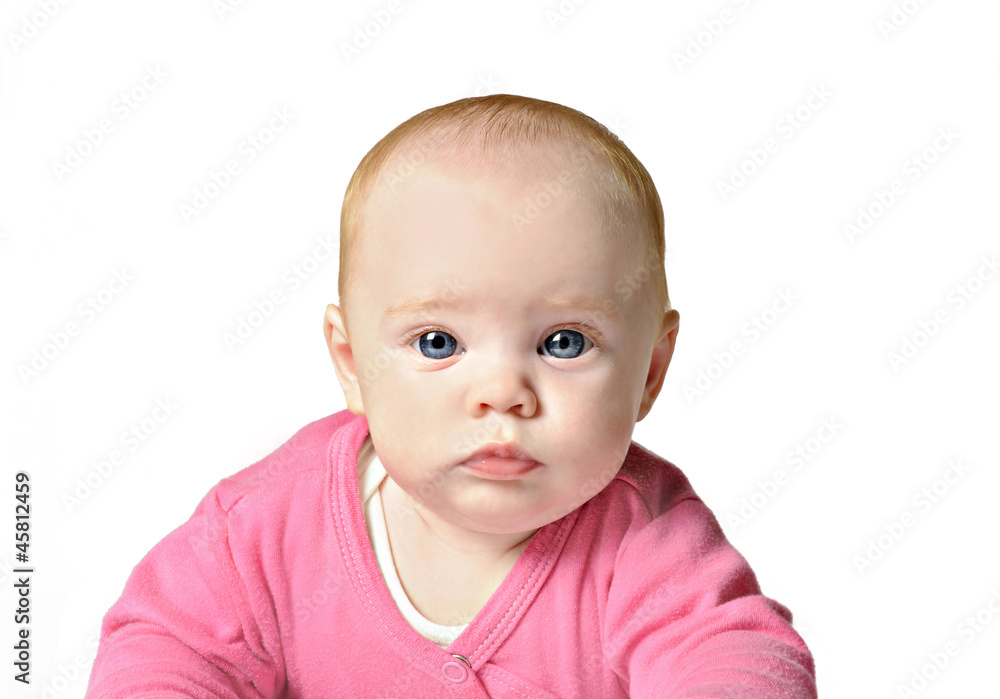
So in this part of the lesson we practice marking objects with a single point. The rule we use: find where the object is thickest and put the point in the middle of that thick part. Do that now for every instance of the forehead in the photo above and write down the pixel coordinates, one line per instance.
(534, 177)
(504, 236)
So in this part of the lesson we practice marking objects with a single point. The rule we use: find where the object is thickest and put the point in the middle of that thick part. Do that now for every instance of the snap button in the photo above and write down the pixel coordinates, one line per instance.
(456, 672)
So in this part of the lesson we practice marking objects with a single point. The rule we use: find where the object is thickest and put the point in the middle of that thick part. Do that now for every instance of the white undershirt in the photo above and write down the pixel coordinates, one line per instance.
(371, 473)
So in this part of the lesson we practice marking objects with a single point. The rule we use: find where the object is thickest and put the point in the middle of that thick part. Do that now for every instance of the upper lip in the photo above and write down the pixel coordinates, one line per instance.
(506, 450)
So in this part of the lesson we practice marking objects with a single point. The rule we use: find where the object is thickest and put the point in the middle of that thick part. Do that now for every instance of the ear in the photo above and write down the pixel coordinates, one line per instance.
(343, 357)
(663, 350)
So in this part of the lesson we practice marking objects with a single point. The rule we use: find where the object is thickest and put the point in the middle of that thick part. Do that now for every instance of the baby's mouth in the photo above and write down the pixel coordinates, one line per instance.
(501, 461)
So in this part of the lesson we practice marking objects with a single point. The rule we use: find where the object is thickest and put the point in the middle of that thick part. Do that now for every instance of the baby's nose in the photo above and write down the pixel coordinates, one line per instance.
(502, 387)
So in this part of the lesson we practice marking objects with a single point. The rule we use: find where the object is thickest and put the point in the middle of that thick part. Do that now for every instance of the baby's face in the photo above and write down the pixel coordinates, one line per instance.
(474, 324)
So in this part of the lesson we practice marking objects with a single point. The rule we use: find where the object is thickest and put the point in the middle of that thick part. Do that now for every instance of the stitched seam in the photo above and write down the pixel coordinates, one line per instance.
(539, 570)
(510, 610)
(513, 689)
(367, 595)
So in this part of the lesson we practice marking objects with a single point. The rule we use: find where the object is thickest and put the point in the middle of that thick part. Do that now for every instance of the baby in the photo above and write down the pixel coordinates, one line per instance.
(478, 522)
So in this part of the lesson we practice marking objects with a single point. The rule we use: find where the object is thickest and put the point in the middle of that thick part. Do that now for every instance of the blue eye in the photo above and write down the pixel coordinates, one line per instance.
(437, 345)
(565, 344)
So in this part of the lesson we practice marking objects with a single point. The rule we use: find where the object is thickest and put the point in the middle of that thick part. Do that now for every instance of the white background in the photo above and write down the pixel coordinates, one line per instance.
(812, 536)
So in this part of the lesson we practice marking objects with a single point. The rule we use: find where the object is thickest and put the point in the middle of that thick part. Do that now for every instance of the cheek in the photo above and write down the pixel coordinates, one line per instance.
(627, 392)
(404, 418)
(396, 373)
(400, 446)
(401, 423)
(386, 381)
(597, 414)
(604, 398)
(604, 418)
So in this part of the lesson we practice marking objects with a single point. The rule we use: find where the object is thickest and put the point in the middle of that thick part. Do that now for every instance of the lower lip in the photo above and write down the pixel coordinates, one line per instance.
(500, 469)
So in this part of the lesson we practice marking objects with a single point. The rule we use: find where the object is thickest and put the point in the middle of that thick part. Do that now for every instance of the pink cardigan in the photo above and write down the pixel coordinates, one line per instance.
(271, 589)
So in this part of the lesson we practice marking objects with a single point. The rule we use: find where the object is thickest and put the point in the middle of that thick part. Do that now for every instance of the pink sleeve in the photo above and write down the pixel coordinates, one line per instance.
(685, 618)
(184, 625)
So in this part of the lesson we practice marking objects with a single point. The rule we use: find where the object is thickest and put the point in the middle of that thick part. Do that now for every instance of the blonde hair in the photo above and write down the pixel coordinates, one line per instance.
(504, 127)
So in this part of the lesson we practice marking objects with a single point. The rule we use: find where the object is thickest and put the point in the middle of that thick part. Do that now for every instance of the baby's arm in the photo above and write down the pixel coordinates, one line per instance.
(685, 618)
(184, 626)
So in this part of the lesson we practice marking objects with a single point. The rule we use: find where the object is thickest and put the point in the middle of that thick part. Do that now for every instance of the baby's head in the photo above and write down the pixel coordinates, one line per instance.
(501, 282)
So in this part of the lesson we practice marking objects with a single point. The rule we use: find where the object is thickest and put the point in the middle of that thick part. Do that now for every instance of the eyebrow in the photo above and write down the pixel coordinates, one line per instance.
(414, 306)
